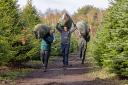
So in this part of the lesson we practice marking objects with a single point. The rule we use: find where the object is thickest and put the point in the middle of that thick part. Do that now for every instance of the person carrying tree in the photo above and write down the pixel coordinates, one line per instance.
(46, 48)
(84, 38)
(65, 41)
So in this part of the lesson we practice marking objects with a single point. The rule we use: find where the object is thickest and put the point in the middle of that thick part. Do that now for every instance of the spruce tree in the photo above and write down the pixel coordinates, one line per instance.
(30, 18)
(111, 44)
(30, 15)
(9, 28)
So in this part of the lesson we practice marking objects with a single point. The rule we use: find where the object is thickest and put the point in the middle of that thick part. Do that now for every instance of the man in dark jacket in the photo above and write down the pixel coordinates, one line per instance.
(65, 41)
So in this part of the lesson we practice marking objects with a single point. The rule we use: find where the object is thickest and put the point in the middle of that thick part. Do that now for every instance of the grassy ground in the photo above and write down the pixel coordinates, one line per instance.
(13, 74)
(10, 75)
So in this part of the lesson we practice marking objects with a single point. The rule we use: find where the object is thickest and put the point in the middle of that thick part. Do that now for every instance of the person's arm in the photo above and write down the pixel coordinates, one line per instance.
(79, 34)
(58, 27)
(54, 37)
(51, 38)
(73, 29)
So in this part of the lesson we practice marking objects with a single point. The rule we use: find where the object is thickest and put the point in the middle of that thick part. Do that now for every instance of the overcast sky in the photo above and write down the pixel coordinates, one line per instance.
(70, 5)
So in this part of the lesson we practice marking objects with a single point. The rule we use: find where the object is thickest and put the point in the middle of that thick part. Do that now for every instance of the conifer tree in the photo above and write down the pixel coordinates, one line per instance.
(111, 44)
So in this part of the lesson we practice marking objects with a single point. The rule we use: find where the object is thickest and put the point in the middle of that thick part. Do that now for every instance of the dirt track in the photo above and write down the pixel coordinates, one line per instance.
(73, 75)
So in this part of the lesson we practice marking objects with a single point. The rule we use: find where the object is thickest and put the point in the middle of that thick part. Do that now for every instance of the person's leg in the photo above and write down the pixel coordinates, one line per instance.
(63, 52)
(46, 58)
(42, 56)
(80, 49)
(66, 53)
(84, 53)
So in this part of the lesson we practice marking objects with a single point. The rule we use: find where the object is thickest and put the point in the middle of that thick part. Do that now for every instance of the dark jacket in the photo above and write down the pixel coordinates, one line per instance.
(46, 42)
